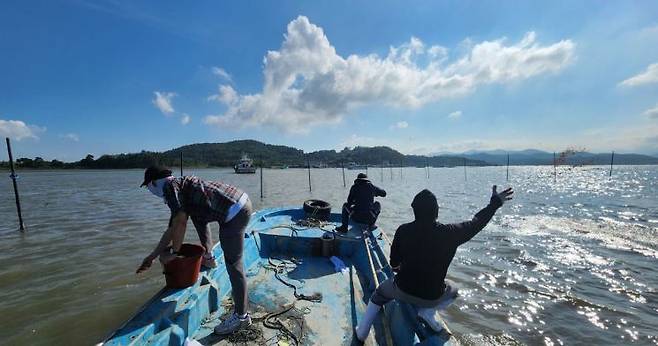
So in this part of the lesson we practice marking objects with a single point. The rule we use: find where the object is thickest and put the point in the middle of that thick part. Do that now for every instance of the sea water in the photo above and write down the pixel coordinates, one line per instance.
(573, 259)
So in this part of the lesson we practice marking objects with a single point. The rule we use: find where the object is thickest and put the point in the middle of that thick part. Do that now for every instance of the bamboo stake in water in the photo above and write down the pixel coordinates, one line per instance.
(427, 168)
(13, 179)
(612, 160)
(464, 169)
(181, 163)
(309, 176)
(342, 165)
(507, 167)
(382, 172)
(390, 166)
(554, 168)
(261, 178)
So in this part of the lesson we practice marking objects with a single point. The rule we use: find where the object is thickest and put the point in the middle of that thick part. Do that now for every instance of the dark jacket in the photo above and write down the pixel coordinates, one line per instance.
(424, 250)
(362, 195)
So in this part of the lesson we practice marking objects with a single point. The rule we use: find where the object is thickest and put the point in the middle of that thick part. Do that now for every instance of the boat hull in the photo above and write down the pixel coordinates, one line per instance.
(276, 236)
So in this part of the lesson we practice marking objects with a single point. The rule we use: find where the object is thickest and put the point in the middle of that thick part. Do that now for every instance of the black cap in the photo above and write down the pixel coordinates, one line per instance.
(362, 176)
(425, 206)
(154, 173)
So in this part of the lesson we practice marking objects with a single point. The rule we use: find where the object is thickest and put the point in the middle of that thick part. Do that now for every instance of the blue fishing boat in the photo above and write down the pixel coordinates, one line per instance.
(308, 285)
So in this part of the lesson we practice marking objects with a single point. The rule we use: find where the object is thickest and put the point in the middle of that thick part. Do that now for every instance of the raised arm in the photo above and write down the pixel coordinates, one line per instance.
(378, 191)
(463, 232)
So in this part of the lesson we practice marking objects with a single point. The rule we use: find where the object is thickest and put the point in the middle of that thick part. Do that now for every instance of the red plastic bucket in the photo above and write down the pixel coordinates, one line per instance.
(183, 271)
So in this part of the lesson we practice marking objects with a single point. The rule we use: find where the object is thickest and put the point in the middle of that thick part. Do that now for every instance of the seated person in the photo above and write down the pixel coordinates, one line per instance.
(361, 205)
(420, 254)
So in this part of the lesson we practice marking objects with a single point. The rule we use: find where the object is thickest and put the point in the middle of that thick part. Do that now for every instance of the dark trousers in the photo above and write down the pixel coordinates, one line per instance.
(231, 239)
(369, 217)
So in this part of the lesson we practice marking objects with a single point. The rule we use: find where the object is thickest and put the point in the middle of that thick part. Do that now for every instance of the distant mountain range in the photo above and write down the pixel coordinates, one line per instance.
(268, 155)
(539, 157)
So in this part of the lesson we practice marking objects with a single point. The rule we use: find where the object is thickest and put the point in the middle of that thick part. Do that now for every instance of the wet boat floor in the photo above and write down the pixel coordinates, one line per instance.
(329, 322)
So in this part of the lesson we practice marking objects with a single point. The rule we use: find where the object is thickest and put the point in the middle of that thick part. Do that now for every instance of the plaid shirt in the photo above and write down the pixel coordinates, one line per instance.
(205, 201)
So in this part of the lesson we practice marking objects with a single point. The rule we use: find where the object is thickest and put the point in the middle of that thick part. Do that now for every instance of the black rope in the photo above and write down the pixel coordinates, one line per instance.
(280, 268)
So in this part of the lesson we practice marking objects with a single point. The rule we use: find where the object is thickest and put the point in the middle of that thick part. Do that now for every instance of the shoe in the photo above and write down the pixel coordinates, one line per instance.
(431, 318)
(209, 262)
(232, 324)
(341, 229)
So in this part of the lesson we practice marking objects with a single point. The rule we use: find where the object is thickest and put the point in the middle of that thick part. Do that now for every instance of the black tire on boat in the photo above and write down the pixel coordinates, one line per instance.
(317, 209)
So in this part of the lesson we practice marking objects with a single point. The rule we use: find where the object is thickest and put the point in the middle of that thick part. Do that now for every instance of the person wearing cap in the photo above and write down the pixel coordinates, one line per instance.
(204, 202)
(421, 253)
(361, 205)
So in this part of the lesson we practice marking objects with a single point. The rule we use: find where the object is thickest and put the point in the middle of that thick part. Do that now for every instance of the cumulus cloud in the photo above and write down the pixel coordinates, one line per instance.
(163, 102)
(18, 130)
(307, 83)
(220, 72)
(650, 75)
(226, 95)
(185, 119)
(70, 136)
(652, 112)
(455, 115)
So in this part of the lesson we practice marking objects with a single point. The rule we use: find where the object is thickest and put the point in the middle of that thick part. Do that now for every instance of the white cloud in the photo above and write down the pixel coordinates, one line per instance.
(652, 112)
(227, 95)
(455, 115)
(307, 83)
(18, 130)
(646, 77)
(163, 102)
(70, 136)
(218, 71)
(185, 119)
(400, 125)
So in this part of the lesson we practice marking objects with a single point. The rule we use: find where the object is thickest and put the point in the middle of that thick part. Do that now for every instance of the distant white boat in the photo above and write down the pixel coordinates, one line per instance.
(245, 166)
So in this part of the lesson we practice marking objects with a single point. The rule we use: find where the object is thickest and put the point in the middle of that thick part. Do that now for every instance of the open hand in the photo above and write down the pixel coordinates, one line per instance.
(502, 196)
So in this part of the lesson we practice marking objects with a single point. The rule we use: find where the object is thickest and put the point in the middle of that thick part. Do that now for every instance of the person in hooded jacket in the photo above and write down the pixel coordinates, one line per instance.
(421, 253)
(204, 202)
(361, 205)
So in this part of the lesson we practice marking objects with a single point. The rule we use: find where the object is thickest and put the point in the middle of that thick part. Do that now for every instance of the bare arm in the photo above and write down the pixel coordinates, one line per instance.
(174, 235)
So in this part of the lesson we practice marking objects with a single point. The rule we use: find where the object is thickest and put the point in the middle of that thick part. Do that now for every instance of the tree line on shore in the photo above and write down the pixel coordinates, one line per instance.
(267, 155)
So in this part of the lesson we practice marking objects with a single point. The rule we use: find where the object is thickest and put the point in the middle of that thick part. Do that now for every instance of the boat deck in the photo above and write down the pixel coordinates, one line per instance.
(316, 322)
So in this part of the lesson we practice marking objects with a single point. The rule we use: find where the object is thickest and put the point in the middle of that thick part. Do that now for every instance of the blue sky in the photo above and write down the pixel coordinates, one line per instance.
(82, 76)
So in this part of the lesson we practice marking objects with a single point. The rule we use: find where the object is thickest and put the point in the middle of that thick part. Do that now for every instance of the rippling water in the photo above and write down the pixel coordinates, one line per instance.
(568, 261)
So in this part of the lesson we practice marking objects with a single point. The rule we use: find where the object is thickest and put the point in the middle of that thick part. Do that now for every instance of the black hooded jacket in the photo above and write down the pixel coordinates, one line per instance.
(424, 248)
(362, 195)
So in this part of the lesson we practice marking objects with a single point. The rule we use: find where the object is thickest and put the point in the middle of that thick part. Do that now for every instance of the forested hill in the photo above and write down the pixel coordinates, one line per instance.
(227, 154)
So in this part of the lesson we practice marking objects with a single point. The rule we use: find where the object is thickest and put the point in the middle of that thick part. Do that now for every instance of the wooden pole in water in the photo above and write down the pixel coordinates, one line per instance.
(507, 167)
(342, 165)
(400, 170)
(181, 163)
(390, 166)
(427, 168)
(382, 171)
(13, 179)
(261, 178)
(310, 189)
(612, 160)
(554, 168)
(464, 169)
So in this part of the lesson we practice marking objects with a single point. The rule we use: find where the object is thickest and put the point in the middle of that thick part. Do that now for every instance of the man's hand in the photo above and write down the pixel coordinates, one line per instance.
(146, 264)
(502, 196)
